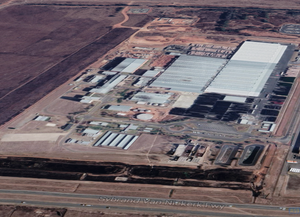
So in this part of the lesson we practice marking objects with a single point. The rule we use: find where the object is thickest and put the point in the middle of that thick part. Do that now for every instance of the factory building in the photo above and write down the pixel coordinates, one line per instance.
(129, 65)
(189, 73)
(109, 85)
(118, 140)
(248, 70)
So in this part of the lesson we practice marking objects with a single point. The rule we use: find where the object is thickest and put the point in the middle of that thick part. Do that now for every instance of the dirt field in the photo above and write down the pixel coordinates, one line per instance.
(138, 20)
(63, 41)
(217, 3)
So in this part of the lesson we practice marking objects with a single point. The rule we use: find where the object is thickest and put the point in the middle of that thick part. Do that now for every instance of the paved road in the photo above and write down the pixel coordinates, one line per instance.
(125, 208)
(135, 200)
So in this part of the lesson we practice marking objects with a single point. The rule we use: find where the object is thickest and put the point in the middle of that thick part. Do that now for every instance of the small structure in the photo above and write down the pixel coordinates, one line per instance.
(124, 108)
(109, 85)
(147, 130)
(142, 82)
(235, 99)
(132, 127)
(97, 78)
(295, 170)
(90, 99)
(267, 127)
(90, 132)
(151, 73)
(41, 118)
(98, 123)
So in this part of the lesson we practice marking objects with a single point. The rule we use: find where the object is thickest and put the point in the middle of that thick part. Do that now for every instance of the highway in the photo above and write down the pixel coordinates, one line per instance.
(124, 208)
(130, 203)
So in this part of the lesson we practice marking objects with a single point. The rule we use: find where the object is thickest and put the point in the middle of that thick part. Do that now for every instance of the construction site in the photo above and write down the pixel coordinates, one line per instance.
(167, 98)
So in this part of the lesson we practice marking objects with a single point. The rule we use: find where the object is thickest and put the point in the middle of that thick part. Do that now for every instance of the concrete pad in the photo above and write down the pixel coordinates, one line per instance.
(186, 100)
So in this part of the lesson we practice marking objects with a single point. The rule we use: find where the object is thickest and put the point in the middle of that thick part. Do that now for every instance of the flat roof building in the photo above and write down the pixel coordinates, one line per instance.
(129, 65)
(248, 70)
(123, 108)
(151, 97)
(189, 73)
(114, 81)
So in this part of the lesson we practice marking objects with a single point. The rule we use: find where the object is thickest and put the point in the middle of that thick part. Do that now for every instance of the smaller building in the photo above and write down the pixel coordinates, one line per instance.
(267, 127)
(90, 132)
(41, 118)
(123, 108)
(151, 73)
(152, 98)
(142, 82)
(129, 65)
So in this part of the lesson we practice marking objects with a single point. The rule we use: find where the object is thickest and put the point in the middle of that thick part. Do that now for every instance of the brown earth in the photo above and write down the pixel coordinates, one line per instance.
(217, 3)
(63, 41)
(138, 20)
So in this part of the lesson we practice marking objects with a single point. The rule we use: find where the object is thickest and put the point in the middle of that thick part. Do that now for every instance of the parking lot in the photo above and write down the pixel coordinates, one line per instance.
(290, 29)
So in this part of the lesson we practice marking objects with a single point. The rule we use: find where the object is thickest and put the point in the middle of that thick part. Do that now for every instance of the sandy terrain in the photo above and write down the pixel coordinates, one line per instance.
(51, 137)
(48, 57)
(219, 3)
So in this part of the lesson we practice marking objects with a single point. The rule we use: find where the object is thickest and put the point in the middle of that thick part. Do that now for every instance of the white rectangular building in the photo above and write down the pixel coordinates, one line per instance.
(129, 65)
(248, 70)
(109, 85)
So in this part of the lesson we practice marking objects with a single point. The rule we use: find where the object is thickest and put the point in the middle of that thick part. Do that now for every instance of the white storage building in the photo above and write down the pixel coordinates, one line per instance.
(248, 70)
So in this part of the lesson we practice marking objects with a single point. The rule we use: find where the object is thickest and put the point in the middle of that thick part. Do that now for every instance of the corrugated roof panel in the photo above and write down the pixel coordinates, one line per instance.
(150, 73)
(248, 70)
(109, 85)
(132, 67)
(125, 141)
(189, 73)
(109, 139)
(107, 134)
(117, 140)
(122, 65)
(130, 143)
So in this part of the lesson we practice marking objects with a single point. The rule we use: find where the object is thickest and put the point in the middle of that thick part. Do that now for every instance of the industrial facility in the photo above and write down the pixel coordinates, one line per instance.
(248, 70)
(189, 73)
(129, 65)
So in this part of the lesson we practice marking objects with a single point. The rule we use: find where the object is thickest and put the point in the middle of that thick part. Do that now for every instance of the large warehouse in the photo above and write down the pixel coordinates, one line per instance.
(248, 70)
(129, 65)
(189, 73)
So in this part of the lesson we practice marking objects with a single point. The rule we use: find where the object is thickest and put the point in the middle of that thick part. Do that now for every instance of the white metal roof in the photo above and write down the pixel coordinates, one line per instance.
(42, 118)
(114, 81)
(151, 97)
(124, 108)
(248, 70)
(235, 99)
(90, 131)
(189, 73)
(260, 52)
(151, 73)
(116, 140)
(129, 65)
(97, 78)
